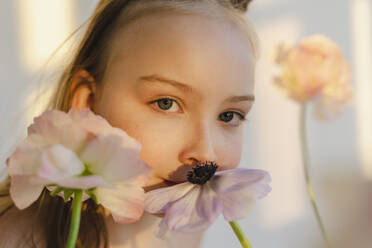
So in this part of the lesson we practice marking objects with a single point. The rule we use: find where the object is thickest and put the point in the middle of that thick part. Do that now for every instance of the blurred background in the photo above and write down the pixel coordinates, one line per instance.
(340, 150)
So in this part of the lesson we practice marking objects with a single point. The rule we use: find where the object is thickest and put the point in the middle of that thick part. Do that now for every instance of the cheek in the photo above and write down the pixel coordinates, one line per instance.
(230, 150)
(160, 146)
(159, 137)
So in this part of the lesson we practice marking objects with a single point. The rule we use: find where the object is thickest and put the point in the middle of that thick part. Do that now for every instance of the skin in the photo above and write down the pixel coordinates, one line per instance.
(214, 59)
(213, 62)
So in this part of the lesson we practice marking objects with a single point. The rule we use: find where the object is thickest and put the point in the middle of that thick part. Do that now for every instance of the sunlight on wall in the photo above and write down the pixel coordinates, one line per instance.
(43, 26)
(279, 135)
(37, 102)
(362, 50)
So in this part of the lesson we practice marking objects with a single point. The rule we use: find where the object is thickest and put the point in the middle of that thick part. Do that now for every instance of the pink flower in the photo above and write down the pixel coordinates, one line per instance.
(311, 69)
(79, 150)
(194, 205)
(334, 98)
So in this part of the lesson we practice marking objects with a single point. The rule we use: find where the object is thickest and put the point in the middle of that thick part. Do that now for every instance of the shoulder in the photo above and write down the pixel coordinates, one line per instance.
(19, 228)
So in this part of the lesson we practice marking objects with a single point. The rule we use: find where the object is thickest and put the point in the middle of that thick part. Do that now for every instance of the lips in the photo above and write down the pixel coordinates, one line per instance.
(164, 183)
(170, 183)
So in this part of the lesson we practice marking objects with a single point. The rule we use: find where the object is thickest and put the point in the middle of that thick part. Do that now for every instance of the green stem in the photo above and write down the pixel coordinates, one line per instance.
(75, 219)
(240, 234)
(305, 161)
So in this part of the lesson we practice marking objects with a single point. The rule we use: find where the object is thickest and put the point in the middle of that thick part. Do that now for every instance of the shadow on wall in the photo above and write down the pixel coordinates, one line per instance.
(351, 200)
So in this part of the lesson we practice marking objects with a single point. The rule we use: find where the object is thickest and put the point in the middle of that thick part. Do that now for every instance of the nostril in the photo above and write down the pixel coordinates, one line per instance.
(195, 162)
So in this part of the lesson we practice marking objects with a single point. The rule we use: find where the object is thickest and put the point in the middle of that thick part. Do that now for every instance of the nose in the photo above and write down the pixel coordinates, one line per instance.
(200, 146)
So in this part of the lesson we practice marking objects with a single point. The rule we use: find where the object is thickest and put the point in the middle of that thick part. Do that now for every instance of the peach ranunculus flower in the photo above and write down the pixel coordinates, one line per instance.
(79, 150)
(315, 70)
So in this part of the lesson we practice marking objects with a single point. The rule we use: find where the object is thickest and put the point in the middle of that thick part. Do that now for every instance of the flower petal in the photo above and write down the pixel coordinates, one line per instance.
(23, 192)
(228, 180)
(85, 182)
(91, 122)
(182, 215)
(98, 125)
(25, 160)
(332, 103)
(74, 137)
(107, 156)
(157, 201)
(62, 167)
(238, 189)
(49, 125)
(60, 162)
(125, 201)
(208, 206)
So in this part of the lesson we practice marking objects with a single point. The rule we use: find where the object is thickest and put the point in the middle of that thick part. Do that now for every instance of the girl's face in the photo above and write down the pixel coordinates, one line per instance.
(180, 85)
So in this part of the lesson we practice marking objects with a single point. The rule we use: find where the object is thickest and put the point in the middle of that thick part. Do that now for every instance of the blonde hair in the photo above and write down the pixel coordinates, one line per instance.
(91, 55)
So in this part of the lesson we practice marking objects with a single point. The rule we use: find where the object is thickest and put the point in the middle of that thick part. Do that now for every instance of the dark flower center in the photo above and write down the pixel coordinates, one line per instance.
(201, 173)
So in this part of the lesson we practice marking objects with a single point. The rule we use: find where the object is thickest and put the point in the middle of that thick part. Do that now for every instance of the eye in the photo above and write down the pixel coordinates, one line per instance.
(228, 117)
(167, 104)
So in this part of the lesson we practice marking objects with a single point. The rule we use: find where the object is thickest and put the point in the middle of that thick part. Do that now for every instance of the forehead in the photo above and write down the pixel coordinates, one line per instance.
(189, 48)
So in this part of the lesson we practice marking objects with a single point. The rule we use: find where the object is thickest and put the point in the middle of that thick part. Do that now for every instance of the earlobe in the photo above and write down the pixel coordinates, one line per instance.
(83, 90)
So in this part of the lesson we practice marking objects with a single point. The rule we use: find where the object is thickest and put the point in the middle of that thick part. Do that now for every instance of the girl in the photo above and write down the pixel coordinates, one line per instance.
(178, 76)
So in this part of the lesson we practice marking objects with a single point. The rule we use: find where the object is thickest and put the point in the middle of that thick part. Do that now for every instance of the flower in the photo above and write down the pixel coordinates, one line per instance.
(79, 150)
(314, 69)
(334, 97)
(195, 204)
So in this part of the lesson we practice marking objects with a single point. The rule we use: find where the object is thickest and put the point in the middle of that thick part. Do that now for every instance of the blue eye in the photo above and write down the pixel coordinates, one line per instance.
(229, 117)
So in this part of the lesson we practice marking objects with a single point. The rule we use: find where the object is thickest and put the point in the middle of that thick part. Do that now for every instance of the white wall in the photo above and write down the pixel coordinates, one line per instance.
(340, 162)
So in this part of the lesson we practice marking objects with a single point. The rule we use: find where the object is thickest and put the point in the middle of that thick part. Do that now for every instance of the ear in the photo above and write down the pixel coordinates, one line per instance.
(83, 90)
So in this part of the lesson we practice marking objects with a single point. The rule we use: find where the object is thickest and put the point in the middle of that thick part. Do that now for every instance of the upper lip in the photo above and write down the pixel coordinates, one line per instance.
(179, 175)
(170, 183)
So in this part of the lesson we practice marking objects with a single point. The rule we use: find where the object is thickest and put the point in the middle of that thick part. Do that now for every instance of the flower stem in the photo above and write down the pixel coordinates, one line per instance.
(75, 219)
(240, 234)
(305, 161)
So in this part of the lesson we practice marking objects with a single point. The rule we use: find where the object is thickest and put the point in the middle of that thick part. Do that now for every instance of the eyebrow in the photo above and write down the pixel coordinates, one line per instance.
(188, 89)
(240, 98)
(157, 78)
